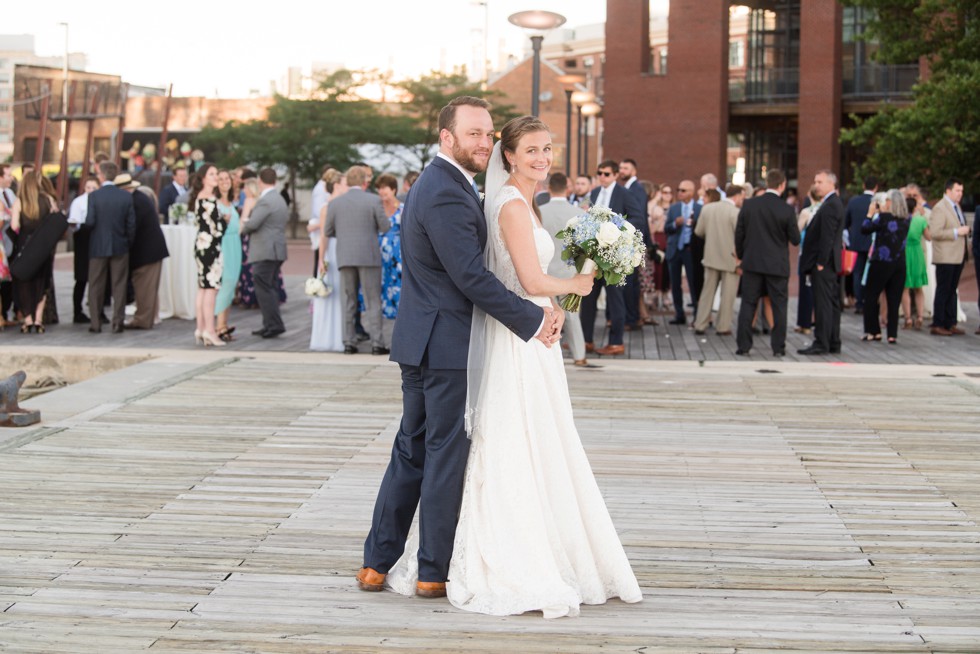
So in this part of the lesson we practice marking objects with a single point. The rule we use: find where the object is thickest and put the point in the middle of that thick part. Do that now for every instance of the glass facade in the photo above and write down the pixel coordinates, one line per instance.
(864, 78)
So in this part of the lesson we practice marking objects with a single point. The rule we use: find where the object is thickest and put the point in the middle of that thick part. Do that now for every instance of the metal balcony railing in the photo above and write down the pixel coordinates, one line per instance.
(879, 81)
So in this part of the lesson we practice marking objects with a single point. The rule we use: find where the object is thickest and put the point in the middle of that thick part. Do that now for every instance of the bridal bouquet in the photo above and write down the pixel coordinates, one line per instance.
(603, 242)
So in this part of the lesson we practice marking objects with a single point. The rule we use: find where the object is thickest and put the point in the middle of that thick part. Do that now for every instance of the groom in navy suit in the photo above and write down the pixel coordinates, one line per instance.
(443, 236)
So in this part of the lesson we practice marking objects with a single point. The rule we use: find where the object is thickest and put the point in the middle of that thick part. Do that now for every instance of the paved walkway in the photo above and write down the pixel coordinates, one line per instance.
(217, 501)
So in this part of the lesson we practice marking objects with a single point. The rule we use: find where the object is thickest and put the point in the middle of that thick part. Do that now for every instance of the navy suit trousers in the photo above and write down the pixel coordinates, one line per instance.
(428, 462)
(681, 261)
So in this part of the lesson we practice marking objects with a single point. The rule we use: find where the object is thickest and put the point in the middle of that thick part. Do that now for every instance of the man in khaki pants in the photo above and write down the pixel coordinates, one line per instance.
(950, 245)
(717, 227)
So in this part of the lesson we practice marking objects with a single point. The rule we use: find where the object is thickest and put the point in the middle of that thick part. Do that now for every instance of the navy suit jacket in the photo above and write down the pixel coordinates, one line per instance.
(638, 216)
(443, 235)
(673, 231)
(623, 202)
(168, 195)
(823, 237)
(149, 244)
(112, 220)
(857, 211)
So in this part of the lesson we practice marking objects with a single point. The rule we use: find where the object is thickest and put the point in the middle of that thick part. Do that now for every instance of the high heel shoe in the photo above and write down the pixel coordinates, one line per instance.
(38, 328)
(197, 337)
(25, 328)
(212, 340)
(225, 334)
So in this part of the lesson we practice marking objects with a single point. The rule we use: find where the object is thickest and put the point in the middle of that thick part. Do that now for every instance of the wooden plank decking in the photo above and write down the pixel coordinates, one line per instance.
(814, 509)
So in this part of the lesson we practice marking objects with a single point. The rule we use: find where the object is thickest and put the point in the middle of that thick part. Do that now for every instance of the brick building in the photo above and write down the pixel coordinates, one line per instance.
(779, 99)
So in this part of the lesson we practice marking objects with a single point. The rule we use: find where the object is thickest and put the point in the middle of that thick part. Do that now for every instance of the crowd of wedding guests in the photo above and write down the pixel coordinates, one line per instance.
(888, 254)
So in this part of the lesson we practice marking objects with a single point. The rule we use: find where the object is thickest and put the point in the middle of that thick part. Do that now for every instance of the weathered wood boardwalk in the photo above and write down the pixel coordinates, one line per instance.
(220, 504)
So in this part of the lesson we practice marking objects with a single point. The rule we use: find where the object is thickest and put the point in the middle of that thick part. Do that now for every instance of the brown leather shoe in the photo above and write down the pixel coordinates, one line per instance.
(590, 347)
(611, 350)
(956, 331)
(940, 331)
(430, 589)
(370, 580)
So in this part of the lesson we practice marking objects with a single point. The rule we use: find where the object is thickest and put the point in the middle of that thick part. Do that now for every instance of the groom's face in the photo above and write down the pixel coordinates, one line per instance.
(472, 138)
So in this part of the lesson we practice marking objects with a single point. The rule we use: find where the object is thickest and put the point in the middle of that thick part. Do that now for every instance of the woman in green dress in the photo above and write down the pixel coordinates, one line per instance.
(231, 253)
(916, 274)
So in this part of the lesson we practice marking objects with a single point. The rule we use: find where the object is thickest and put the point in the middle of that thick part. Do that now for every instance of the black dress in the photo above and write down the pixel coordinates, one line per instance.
(207, 247)
(29, 292)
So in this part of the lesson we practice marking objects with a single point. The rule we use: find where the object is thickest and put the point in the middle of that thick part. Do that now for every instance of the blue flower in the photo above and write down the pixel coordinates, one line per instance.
(884, 253)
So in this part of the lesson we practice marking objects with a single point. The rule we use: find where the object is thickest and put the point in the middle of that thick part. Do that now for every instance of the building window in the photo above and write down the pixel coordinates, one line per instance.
(736, 54)
(30, 149)
(659, 36)
(773, 56)
(862, 76)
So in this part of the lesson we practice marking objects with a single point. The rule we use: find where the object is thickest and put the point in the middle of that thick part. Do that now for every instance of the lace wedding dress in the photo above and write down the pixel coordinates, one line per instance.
(534, 533)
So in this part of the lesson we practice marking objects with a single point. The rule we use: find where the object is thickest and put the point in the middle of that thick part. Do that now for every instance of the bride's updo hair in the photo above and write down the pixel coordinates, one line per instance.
(514, 130)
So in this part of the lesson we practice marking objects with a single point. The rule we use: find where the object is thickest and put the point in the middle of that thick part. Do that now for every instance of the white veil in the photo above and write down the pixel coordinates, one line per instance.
(481, 331)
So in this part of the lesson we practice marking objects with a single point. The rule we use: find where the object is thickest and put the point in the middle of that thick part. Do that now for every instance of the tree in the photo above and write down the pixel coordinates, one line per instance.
(938, 135)
(430, 93)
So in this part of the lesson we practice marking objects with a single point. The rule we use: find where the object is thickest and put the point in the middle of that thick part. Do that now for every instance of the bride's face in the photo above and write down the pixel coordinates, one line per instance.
(532, 157)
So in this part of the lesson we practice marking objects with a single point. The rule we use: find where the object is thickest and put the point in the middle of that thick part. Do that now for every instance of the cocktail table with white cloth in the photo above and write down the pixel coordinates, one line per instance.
(178, 278)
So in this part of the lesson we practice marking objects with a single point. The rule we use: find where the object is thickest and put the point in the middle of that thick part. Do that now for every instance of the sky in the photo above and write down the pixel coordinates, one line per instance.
(227, 49)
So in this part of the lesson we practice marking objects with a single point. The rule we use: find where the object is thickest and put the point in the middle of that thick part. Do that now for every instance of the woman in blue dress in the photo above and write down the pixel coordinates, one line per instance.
(231, 253)
(391, 250)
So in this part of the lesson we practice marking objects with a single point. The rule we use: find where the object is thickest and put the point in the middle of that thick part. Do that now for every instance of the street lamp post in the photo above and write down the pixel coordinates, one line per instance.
(569, 80)
(536, 23)
(589, 109)
(579, 99)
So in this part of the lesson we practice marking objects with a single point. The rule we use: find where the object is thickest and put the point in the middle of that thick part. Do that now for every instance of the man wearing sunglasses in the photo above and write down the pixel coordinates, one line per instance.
(617, 198)
(682, 218)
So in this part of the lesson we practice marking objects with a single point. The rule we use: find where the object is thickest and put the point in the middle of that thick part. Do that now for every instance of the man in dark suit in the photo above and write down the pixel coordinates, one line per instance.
(617, 198)
(766, 227)
(682, 218)
(267, 250)
(443, 236)
(172, 191)
(821, 261)
(112, 224)
(146, 255)
(857, 211)
(355, 219)
(637, 216)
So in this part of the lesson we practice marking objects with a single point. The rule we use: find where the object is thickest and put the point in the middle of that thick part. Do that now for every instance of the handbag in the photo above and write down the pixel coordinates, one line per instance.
(848, 259)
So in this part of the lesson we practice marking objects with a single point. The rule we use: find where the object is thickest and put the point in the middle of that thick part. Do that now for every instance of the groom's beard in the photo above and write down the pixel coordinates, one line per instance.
(468, 162)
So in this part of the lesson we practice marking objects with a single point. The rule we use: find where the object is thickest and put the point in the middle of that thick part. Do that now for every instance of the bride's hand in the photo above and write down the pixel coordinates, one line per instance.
(547, 333)
(582, 284)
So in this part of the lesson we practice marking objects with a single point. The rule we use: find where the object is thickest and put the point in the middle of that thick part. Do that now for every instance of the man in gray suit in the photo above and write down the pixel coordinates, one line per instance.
(356, 219)
(554, 216)
(112, 222)
(266, 223)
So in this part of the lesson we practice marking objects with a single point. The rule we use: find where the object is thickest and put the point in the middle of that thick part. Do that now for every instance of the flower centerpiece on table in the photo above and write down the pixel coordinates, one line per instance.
(177, 213)
(602, 242)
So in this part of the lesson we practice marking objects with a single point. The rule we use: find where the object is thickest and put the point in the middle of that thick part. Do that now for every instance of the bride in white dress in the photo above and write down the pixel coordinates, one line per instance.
(534, 533)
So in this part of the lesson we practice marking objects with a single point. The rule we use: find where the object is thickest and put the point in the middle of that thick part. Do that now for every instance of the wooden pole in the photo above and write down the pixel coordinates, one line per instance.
(164, 133)
(89, 139)
(42, 128)
(63, 178)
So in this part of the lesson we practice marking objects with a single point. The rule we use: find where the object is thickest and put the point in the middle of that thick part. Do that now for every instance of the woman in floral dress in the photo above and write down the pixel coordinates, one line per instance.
(391, 251)
(207, 251)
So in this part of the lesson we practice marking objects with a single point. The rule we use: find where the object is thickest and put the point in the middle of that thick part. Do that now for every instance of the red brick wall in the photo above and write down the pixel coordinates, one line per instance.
(675, 126)
(820, 89)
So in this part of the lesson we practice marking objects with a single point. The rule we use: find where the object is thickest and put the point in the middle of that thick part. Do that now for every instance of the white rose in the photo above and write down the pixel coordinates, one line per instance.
(629, 227)
(608, 234)
(637, 260)
(573, 222)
